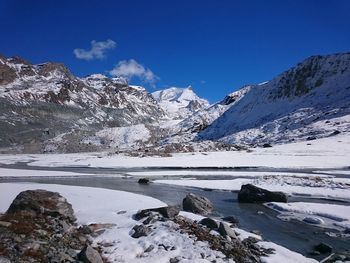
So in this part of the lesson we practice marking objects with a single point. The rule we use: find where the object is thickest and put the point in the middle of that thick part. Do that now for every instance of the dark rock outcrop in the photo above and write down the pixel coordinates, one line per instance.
(253, 194)
(197, 204)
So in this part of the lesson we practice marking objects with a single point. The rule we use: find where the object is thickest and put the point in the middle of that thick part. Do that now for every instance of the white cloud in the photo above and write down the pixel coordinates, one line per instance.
(130, 68)
(98, 50)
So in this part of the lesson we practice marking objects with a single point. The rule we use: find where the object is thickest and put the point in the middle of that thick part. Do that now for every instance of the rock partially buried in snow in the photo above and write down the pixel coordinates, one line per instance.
(166, 211)
(197, 204)
(141, 231)
(89, 255)
(253, 194)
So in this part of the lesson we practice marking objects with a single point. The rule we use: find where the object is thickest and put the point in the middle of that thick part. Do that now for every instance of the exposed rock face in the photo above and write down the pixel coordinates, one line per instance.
(252, 194)
(197, 204)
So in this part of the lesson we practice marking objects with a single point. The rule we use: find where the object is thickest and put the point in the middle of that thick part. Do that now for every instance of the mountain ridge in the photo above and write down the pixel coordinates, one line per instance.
(45, 108)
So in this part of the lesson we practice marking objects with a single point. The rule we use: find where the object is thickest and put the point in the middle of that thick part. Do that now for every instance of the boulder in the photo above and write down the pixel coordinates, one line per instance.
(166, 211)
(143, 181)
(252, 194)
(225, 230)
(89, 255)
(141, 231)
(42, 202)
(209, 223)
(197, 204)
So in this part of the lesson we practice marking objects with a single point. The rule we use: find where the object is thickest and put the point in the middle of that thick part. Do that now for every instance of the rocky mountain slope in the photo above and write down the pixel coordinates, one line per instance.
(308, 101)
(41, 102)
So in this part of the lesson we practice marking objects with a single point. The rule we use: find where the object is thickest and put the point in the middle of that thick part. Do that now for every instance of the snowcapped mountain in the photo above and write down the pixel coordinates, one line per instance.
(45, 108)
(41, 102)
(308, 101)
(179, 103)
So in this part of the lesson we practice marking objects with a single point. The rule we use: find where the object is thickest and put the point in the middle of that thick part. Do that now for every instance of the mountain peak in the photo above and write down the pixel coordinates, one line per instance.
(179, 103)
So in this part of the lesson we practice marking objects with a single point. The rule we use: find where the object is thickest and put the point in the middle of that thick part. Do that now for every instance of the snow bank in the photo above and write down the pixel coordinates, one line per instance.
(86, 201)
(283, 255)
(324, 215)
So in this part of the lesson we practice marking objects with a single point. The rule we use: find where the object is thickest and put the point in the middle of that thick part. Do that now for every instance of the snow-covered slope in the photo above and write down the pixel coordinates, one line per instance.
(179, 103)
(202, 118)
(310, 100)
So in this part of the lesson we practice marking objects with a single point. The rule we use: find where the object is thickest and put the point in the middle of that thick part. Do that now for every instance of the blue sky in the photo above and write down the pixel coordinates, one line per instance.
(215, 46)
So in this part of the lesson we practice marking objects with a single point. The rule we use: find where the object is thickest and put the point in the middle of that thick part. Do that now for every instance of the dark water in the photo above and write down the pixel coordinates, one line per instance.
(294, 235)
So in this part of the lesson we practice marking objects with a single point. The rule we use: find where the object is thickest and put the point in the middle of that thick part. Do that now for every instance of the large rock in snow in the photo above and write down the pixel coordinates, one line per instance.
(197, 204)
(42, 202)
(166, 211)
(253, 194)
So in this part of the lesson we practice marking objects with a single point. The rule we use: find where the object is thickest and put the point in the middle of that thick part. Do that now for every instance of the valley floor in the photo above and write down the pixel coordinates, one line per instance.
(313, 170)
(326, 153)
